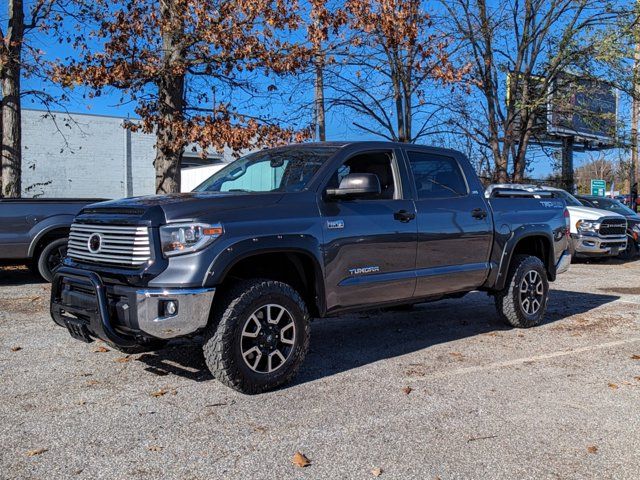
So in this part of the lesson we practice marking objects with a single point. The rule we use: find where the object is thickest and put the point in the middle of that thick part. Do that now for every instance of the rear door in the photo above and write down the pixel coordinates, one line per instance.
(455, 228)
(369, 244)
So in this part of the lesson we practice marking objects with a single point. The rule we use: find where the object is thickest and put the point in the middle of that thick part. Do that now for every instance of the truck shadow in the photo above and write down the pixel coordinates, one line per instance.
(17, 275)
(349, 342)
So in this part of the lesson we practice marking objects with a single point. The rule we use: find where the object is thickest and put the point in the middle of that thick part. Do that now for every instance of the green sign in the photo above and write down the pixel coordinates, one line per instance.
(598, 187)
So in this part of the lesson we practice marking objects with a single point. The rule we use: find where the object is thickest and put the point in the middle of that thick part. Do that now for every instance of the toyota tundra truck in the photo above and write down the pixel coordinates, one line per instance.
(284, 235)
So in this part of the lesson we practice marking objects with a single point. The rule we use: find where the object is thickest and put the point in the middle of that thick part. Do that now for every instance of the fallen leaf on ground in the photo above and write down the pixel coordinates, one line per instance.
(376, 472)
(16, 349)
(92, 382)
(101, 349)
(163, 391)
(407, 390)
(613, 386)
(154, 448)
(592, 449)
(456, 354)
(81, 402)
(636, 378)
(299, 460)
(123, 359)
(635, 357)
(37, 451)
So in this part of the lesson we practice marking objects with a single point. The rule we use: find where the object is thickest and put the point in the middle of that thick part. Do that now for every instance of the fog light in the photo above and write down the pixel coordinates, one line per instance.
(170, 308)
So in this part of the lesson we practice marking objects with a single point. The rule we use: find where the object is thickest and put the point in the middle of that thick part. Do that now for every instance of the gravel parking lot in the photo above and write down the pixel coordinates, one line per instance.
(441, 391)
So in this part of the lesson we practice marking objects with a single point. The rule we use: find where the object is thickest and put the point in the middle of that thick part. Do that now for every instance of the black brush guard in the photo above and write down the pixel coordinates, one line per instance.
(85, 322)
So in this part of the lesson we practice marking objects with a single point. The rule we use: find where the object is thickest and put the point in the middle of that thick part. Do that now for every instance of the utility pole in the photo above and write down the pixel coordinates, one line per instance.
(635, 110)
(567, 163)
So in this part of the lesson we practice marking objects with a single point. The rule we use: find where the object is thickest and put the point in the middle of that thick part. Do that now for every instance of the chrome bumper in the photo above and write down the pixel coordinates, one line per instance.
(191, 315)
(591, 245)
(564, 263)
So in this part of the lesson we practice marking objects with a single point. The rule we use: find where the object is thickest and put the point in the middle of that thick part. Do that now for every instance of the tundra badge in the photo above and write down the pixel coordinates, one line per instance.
(335, 224)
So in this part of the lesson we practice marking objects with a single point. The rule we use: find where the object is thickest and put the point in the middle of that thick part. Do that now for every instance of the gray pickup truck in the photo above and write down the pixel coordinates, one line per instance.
(34, 231)
(314, 230)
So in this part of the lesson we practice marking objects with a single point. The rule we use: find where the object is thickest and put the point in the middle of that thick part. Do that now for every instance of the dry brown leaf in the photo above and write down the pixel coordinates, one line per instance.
(123, 359)
(592, 449)
(635, 357)
(407, 390)
(300, 460)
(36, 451)
(613, 386)
(92, 382)
(81, 402)
(376, 472)
(636, 378)
(16, 349)
(154, 448)
(101, 349)
(163, 391)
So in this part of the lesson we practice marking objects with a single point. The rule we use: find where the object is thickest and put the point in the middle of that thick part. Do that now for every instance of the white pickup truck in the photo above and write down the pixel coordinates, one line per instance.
(594, 232)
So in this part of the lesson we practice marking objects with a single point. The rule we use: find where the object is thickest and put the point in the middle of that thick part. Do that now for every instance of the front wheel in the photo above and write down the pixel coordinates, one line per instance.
(258, 337)
(523, 302)
(51, 257)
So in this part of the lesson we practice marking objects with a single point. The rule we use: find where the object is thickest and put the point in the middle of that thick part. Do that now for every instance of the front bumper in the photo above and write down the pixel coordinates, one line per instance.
(594, 246)
(122, 315)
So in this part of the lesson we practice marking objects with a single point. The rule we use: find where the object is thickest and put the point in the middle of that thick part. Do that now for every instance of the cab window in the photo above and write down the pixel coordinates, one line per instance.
(437, 176)
(381, 164)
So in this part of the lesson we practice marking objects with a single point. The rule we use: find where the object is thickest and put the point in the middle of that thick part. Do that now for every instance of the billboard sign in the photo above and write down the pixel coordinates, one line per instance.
(582, 107)
(570, 106)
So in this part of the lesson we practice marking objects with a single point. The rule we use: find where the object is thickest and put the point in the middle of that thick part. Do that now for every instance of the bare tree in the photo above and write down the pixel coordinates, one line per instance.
(393, 60)
(519, 50)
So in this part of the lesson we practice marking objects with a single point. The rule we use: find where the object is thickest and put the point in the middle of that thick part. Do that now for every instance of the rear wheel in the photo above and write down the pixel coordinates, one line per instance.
(50, 257)
(523, 302)
(259, 336)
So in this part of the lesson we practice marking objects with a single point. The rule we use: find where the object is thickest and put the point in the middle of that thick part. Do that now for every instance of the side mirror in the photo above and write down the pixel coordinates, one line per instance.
(356, 185)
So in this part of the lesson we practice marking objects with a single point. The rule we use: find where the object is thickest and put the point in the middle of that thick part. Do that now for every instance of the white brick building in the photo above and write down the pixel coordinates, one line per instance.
(92, 156)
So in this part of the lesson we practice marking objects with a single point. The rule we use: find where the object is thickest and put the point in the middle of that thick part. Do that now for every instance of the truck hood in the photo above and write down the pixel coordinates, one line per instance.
(588, 213)
(185, 206)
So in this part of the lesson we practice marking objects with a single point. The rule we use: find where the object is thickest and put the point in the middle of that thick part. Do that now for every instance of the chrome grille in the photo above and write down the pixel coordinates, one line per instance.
(126, 245)
(613, 226)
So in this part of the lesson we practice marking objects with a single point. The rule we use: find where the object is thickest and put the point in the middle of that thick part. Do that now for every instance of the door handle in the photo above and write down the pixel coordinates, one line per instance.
(479, 213)
(404, 216)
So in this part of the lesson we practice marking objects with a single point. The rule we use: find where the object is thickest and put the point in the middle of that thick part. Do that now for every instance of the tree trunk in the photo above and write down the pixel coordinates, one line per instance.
(320, 118)
(169, 141)
(169, 138)
(11, 113)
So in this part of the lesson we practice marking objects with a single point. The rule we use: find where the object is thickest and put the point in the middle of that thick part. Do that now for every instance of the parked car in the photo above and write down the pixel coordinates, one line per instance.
(633, 220)
(34, 231)
(594, 232)
(312, 230)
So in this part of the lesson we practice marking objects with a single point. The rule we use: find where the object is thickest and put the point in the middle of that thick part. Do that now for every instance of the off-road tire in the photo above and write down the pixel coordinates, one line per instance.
(508, 302)
(42, 265)
(222, 345)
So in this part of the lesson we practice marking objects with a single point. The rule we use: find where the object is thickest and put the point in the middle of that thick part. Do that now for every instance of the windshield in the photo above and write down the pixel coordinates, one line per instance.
(277, 170)
(611, 205)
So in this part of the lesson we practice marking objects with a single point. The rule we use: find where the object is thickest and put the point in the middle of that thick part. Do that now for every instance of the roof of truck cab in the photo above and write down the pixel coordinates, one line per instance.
(368, 144)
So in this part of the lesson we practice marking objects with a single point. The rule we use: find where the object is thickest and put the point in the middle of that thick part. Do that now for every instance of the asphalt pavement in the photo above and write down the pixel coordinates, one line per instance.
(442, 391)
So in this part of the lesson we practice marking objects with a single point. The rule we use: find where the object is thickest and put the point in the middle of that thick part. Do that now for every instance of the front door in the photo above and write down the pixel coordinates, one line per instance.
(369, 244)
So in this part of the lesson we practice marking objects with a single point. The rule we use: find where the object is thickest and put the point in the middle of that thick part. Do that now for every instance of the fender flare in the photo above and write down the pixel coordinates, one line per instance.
(524, 232)
(305, 245)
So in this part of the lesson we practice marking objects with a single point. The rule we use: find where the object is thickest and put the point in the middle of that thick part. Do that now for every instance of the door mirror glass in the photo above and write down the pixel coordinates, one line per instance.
(356, 185)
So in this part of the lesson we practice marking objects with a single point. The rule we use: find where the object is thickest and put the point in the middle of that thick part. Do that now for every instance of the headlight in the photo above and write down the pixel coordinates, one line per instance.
(182, 238)
(587, 226)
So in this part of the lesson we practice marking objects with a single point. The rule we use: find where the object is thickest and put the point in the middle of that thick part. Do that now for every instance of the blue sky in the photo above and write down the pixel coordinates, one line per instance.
(339, 122)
